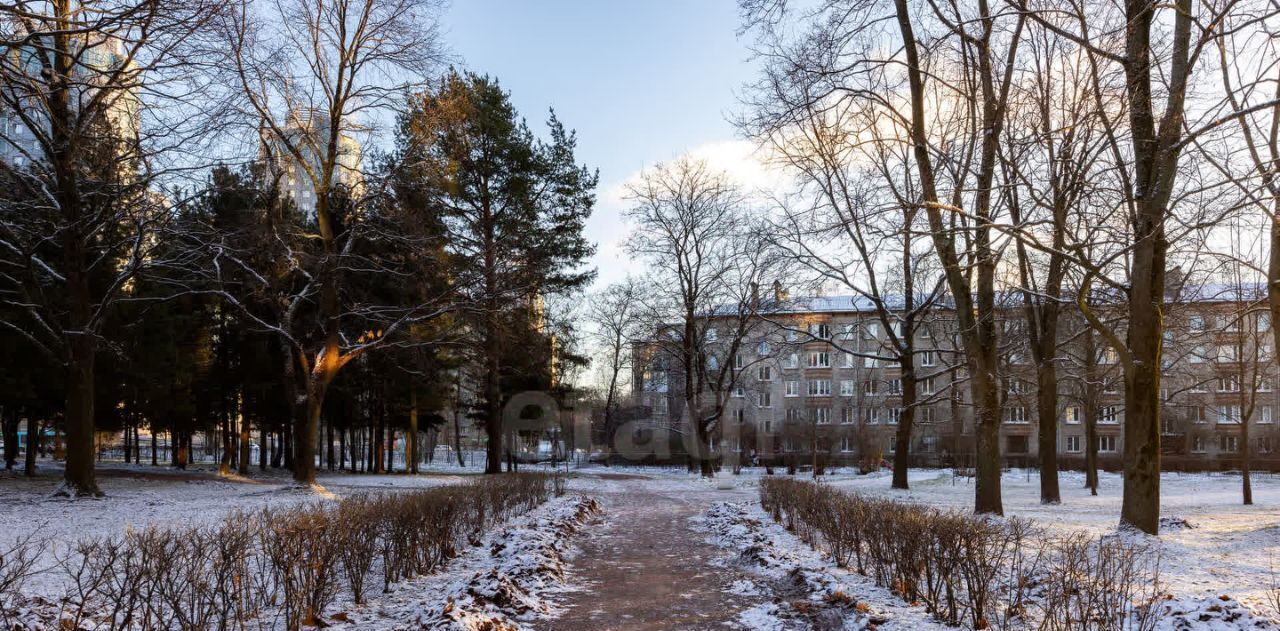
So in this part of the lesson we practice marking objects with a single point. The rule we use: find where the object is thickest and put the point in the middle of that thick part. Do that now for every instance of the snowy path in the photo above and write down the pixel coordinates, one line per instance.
(645, 568)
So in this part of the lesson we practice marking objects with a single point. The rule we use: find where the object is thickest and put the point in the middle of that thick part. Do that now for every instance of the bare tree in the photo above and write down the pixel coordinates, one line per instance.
(615, 314)
(956, 64)
(691, 227)
(312, 75)
(95, 104)
(856, 224)
(1051, 161)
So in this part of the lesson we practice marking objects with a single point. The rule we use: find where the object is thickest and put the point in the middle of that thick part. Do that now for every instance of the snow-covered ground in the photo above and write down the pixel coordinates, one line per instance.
(504, 583)
(138, 496)
(1223, 548)
(808, 590)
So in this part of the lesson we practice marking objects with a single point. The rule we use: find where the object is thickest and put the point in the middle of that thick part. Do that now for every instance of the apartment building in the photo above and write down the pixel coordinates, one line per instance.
(819, 374)
(308, 131)
(23, 121)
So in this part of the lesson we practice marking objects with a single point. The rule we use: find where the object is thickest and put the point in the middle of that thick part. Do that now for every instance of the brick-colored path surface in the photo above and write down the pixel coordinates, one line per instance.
(642, 567)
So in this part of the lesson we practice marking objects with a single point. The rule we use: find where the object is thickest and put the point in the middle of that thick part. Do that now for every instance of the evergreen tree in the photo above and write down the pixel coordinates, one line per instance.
(513, 207)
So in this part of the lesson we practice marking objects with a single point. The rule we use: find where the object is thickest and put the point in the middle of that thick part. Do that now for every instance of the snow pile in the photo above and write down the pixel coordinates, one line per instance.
(1221, 613)
(811, 591)
(523, 565)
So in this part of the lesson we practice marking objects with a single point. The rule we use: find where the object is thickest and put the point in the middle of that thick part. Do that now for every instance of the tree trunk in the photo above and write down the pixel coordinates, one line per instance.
(11, 419)
(457, 435)
(1047, 417)
(80, 477)
(987, 428)
(246, 439)
(304, 461)
(906, 423)
(228, 449)
(411, 438)
(33, 447)
(493, 414)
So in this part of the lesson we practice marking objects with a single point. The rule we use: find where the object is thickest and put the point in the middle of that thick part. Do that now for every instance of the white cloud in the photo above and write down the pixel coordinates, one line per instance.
(608, 227)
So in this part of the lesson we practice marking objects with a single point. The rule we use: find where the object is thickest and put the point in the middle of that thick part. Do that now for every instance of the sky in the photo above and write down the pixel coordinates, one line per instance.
(640, 81)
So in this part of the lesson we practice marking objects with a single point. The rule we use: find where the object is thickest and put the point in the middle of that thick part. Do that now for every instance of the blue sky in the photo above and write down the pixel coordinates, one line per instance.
(641, 81)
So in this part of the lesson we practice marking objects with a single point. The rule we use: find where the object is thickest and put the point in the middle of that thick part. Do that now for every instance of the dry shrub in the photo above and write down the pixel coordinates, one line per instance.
(1100, 584)
(290, 562)
(17, 564)
(984, 572)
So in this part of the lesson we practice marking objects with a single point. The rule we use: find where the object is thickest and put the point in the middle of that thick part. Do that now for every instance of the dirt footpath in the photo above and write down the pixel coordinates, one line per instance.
(643, 567)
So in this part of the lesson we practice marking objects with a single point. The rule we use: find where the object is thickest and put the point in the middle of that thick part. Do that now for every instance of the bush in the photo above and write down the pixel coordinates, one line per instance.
(984, 572)
(293, 562)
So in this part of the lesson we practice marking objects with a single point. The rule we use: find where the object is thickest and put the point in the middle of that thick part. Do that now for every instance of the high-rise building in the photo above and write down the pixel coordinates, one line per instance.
(308, 132)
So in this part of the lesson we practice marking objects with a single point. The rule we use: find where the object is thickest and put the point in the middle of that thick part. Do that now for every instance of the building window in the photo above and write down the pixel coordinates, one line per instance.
(1111, 386)
(1199, 386)
(846, 388)
(1196, 323)
(713, 363)
(869, 387)
(820, 388)
(821, 331)
(1015, 386)
(737, 361)
(764, 373)
(1197, 355)
(1196, 414)
(739, 392)
(846, 416)
(822, 416)
(1073, 444)
(868, 361)
(740, 416)
(926, 386)
(870, 416)
(848, 360)
(1110, 415)
(846, 331)
(793, 360)
(1109, 356)
(846, 444)
(793, 389)
(1229, 444)
(925, 415)
(763, 349)
(1264, 385)
(895, 386)
(1016, 414)
(1265, 445)
(820, 359)
(1072, 415)
(1016, 444)
(1197, 444)
(928, 358)
(1264, 415)
(1227, 354)
(1107, 444)
(894, 415)
(1229, 414)
(765, 399)
(871, 331)
(795, 415)
(712, 335)
(768, 426)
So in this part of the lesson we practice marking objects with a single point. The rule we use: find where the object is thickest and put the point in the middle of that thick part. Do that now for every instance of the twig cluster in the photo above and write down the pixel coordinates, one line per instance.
(276, 566)
(979, 571)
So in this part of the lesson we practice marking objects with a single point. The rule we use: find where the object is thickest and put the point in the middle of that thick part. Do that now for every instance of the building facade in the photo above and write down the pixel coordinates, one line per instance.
(818, 377)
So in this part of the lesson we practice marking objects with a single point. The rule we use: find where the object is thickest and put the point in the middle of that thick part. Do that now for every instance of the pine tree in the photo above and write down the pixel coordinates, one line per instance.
(513, 207)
